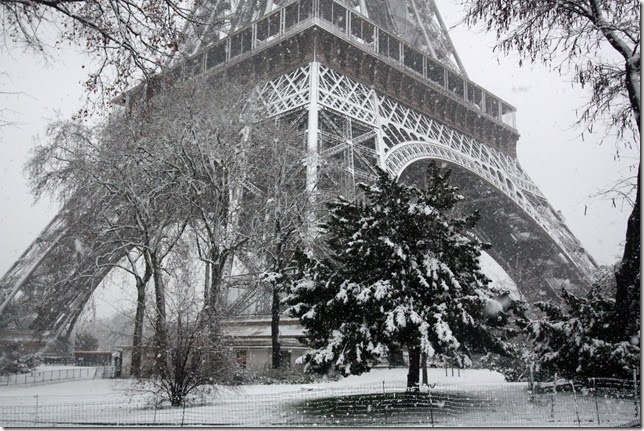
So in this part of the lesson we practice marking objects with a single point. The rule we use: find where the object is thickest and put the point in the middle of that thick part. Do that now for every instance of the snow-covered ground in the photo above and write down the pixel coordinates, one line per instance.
(119, 390)
(475, 398)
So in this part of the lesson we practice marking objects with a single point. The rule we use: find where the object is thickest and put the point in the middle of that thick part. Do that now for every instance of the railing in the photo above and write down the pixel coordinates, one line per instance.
(376, 404)
(354, 27)
(66, 374)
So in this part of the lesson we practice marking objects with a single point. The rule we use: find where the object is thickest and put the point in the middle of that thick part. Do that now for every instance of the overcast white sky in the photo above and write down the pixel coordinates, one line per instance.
(567, 169)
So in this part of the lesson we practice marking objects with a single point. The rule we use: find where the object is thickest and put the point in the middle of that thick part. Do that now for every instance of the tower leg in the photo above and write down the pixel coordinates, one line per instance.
(312, 155)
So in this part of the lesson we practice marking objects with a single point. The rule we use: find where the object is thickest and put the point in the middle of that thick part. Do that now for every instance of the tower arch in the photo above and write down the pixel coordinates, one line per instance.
(538, 261)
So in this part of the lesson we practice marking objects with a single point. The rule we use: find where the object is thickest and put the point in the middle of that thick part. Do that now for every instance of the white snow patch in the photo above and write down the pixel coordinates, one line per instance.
(96, 391)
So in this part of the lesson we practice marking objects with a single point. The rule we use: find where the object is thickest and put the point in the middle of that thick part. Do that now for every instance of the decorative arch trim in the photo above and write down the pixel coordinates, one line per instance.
(402, 155)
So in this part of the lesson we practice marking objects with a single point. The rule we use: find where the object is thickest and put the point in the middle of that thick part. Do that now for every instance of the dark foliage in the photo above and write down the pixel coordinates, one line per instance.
(581, 338)
(401, 270)
(14, 361)
(85, 342)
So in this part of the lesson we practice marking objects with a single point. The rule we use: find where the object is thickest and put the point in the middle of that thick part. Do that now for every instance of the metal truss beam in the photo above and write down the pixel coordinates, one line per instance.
(407, 136)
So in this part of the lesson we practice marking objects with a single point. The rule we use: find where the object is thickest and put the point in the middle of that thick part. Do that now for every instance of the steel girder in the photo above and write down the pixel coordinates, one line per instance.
(405, 135)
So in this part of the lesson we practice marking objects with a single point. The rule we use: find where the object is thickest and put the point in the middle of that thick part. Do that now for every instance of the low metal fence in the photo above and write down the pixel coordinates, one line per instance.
(374, 405)
(63, 374)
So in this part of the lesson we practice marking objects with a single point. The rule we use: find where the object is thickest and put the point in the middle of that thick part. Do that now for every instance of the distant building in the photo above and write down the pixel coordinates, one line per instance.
(250, 339)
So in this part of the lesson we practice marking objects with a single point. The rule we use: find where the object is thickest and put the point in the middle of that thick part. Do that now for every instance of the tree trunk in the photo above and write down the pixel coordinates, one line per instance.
(627, 275)
(423, 364)
(160, 334)
(275, 327)
(217, 264)
(413, 374)
(278, 267)
(137, 339)
(206, 287)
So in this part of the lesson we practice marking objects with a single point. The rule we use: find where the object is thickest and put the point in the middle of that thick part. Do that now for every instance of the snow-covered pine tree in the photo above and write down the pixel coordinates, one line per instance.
(400, 271)
(581, 337)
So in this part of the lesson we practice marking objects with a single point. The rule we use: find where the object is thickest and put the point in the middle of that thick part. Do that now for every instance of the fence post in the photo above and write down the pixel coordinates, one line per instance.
(431, 407)
(183, 412)
(36, 415)
(334, 409)
(531, 382)
(554, 392)
(574, 395)
(635, 394)
(595, 397)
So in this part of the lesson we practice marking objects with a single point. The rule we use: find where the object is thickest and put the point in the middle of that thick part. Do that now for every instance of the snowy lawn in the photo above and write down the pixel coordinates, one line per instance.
(476, 398)
(129, 391)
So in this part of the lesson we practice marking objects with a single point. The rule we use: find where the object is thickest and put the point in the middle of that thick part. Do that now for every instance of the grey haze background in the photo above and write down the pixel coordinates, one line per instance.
(567, 169)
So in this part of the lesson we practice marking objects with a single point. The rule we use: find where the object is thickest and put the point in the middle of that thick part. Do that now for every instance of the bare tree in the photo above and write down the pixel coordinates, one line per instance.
(280, 208)
(111, 183)
(197, 356)
(243, 179)
(6, 113)
(141, 280)
(128, 39)
(233, 169)
(600, 41)
(210, 137)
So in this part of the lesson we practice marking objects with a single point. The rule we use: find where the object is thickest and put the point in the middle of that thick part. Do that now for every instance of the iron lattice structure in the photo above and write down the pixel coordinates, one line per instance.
(371, 83)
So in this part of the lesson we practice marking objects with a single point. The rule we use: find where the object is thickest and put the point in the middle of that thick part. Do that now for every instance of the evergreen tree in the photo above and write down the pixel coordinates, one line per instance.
(581, 338)
(400, 271)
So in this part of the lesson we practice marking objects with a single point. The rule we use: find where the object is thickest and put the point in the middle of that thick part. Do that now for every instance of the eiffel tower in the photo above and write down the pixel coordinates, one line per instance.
(371, 83)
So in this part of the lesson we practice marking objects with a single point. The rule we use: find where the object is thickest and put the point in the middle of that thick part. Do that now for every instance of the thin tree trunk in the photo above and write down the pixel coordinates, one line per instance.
(160, 332)
(275, 304)
(206, 288)
(218, 262)
(137, 339)
(423, 364)
(275, 327)
(413, 374)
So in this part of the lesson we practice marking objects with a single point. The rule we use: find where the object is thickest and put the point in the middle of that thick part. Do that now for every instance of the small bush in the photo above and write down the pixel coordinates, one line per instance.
(12, 362)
